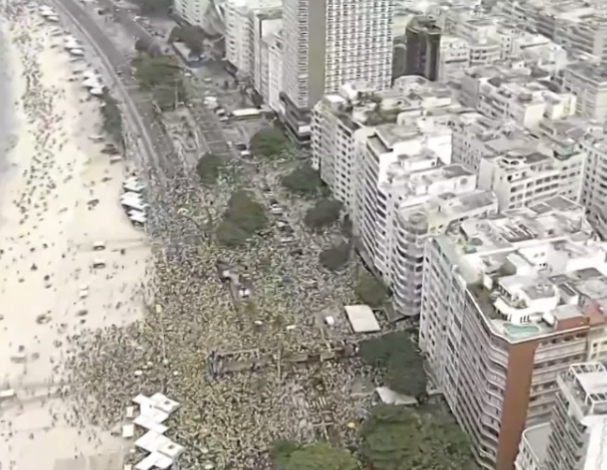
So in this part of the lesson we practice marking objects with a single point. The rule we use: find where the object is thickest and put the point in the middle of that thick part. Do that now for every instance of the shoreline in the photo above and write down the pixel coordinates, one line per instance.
(58, 198)
(10, 93)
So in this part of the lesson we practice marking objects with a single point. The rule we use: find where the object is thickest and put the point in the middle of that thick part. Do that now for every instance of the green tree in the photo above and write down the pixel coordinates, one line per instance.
(243, 218)
(346, 226)
(145, 46)
(229, 234)
(161, 76)
(268, 143)
(304, 181)
(371, 290)
(112, 119)
(154, 7)
(208, 168)
(314, 456)
(191, 36)
(336, 257)
(399, 360)
(324, 213)
(402, 438)
(244, 211)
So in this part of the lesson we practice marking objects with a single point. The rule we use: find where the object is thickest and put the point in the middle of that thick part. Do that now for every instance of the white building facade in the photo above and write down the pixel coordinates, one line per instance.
(275, 58)
(265, 26)
(513, 94)
(579, 423)
(507, 304)
(588, 82)
(242, 27)
(521, 177)
(328, 43)
(532, 450)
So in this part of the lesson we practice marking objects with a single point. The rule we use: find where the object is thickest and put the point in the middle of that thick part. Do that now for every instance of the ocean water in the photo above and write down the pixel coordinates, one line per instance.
(7, 120)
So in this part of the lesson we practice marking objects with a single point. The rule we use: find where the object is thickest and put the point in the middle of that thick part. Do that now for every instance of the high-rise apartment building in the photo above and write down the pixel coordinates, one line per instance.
(588, 82)
(453, 58)
(208, 14)
(247, 21)
(522, 176)
(514, 94)
(509, 302)
(575, 438)
(422, 48)
(578, 437)
(559, 160)
(385, 155)
(399, 57)
(589, 137)
(275, 56)
(328, 43)
(266, 24)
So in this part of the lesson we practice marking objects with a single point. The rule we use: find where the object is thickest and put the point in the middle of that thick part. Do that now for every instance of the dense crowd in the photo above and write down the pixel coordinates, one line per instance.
(229, 419)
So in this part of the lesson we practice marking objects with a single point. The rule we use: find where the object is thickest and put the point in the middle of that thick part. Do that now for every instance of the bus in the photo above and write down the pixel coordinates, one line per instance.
(247, 113)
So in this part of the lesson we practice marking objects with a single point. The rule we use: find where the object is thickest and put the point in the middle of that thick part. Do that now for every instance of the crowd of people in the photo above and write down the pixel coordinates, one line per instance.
(228, 420)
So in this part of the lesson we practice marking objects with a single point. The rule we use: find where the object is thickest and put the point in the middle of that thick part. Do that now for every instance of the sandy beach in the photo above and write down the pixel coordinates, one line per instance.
(59, 196)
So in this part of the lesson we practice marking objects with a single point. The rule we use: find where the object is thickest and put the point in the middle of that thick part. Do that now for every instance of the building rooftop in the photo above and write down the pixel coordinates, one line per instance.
(442, 210)
(585, 387)
(362, 319)
(537, 438)
(358, 105)
(502, 137)
(589, 71)
(531, 271)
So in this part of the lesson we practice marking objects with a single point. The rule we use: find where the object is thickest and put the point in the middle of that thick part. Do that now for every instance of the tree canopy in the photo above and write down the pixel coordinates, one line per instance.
(398, 358)
(335, 257)
(146, 46)
(154, 7)
(403, 438)
(324, 213)
(192, 36)
(268, 143)
(112, 119)
(161, 76)
(229, 234)
(208, 168)
(243, 218)
(288, 455)
(304, 181)
(371, 290)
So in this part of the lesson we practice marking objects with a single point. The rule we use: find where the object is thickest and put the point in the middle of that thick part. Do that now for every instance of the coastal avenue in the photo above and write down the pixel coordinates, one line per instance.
(114, 62)
(211, 132)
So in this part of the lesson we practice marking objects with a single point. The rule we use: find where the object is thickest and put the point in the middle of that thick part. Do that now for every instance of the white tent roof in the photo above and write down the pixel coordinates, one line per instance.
(92, 82)
(89, 74)
(98, 91)
(150, 424)
(362, 318)
(77, 51)
(130, 195)
(137, 216)
(137, 205)
(390, 397)
(131, 180)
(154, 460)
(133, 186)
(163, 403)
(153, 442)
